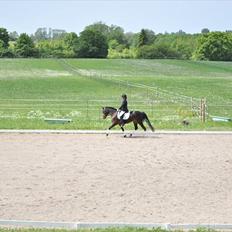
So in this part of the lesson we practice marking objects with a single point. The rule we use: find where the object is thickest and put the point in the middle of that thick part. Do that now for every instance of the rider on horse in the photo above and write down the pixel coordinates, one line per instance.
(123, 109)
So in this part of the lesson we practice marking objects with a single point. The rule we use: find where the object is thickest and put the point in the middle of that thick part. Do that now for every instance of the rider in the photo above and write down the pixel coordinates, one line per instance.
(123, 108)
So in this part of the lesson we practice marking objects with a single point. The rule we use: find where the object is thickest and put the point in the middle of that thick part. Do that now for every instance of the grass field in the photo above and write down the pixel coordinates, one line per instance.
(34, 89)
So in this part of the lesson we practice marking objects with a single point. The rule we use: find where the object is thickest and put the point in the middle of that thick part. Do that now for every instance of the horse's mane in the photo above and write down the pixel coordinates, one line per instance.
(109, 107)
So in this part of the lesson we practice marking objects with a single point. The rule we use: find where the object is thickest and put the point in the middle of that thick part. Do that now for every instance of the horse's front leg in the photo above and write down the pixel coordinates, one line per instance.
(113, 125)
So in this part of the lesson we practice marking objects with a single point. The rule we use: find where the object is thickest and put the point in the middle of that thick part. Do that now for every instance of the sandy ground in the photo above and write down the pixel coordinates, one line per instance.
(168, 178)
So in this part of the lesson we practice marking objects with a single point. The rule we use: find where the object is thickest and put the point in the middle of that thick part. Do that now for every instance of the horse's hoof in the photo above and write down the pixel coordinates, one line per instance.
(124, 136)
(107, 135)
(130, 135)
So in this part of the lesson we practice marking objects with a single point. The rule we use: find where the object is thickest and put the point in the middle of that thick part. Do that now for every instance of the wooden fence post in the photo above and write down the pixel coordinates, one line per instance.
(203, 109)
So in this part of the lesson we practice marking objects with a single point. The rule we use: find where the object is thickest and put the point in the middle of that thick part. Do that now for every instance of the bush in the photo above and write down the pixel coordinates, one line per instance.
(6, 53)
(160, 51)
(126, 53)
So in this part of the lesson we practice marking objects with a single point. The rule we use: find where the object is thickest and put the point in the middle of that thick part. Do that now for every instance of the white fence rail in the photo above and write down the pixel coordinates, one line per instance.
(89, 225)
(91, 109)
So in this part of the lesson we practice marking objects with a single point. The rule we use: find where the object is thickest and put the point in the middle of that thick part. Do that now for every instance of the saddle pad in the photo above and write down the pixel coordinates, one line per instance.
(125, 117)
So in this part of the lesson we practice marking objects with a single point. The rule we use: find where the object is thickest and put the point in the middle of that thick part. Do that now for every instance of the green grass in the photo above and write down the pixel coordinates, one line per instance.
(212, 80)
(32, 89)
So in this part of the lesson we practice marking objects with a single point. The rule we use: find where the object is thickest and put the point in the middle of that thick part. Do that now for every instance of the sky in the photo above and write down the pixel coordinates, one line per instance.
(133, 15)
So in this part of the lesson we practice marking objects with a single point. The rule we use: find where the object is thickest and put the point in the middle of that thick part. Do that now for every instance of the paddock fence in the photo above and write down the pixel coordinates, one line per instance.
(91, 110)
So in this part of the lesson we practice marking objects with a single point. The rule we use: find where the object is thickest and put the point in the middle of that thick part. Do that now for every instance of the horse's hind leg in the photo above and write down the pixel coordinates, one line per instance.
(123, 132)
(135, 126)
(141, 124)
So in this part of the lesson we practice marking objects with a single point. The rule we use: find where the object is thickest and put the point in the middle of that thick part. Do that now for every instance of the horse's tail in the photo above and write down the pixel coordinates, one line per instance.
(148, 122)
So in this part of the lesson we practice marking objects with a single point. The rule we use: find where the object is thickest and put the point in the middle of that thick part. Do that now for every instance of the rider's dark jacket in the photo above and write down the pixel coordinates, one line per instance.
(123, 106)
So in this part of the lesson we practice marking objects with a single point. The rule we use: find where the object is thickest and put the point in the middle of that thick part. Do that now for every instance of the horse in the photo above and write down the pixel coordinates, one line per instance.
(136, 117)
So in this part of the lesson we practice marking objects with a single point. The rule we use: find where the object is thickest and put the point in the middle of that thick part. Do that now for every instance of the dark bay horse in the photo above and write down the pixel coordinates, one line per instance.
(136, 117)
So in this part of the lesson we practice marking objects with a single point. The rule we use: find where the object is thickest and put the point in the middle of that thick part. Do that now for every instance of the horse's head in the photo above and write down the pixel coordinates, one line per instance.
(107, 111)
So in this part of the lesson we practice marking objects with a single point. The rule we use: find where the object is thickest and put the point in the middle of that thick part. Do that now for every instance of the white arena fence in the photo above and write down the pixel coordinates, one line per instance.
(92, 109)
(97, 225)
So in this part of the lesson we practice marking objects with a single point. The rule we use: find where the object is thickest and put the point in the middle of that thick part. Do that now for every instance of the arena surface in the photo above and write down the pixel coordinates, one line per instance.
(92, 178)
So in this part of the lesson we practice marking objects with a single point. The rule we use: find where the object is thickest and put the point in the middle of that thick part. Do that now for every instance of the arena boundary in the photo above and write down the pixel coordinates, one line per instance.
(94, 225)
(115, 132)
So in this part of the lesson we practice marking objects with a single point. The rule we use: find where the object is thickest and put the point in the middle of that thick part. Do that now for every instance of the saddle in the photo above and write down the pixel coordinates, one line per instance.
(125, 116)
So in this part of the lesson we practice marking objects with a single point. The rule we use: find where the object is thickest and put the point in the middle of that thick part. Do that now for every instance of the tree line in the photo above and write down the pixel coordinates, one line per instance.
(99, 40)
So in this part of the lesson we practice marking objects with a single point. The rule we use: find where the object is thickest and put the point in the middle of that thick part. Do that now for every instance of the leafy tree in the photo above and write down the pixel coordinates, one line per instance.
(40, 34)
(117, 33)
(184, 44)
(150, 36)
(2, 48)
(112, 32)
(181, 32)
(52, 48)
(13, 36)
(5, 52)
(70, 39)
(113, 44)
(58, 33)
(92, 44)
(25, 47)
(59, 48)
(100, 27)
(131, 39)
(215, 46)
(143, 38)
(205, 31)
(99, 39)
(4, 37)
(44, 49)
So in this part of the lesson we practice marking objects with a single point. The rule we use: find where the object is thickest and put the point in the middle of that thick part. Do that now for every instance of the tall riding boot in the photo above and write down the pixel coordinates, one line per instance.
(122, 122)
